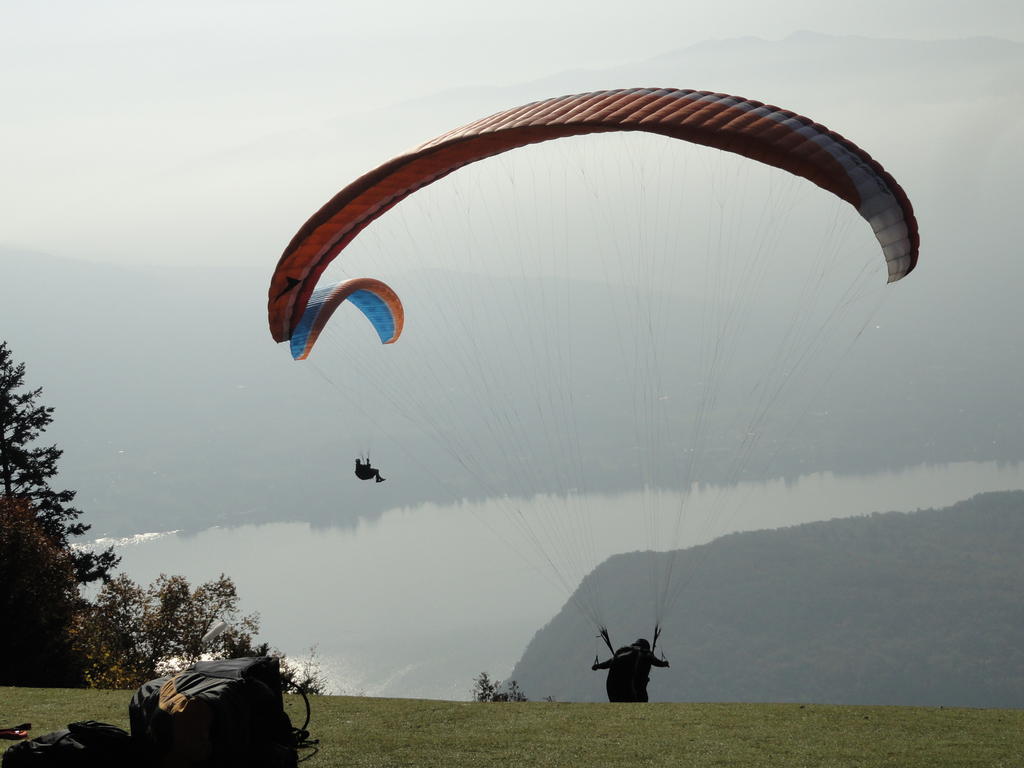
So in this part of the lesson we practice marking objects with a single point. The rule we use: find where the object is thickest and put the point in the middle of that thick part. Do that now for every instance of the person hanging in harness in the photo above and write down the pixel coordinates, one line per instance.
(365, 472)
(629, 671)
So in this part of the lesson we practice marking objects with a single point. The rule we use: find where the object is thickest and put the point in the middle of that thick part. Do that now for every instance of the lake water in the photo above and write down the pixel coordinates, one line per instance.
(420, 601)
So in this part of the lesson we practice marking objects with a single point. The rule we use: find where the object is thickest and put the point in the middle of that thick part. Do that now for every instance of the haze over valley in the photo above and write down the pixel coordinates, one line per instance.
(600, 330)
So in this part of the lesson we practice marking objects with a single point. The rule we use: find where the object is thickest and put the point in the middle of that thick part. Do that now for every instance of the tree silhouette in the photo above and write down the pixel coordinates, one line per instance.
(487, 689)
(26, 470)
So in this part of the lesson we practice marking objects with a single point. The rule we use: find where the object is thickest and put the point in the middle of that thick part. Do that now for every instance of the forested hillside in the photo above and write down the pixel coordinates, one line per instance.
(918, 608)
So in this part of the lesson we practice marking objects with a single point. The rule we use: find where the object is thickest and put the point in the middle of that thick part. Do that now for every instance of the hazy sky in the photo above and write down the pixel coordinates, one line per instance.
(121, 118)
(205, 132)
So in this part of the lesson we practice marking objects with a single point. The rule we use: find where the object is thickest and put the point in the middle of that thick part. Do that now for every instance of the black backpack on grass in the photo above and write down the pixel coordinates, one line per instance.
(86, 744)
(216, 713)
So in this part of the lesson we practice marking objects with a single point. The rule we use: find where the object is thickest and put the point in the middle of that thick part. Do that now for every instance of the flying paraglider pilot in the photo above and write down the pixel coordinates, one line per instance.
(629, 671)
(365, 472)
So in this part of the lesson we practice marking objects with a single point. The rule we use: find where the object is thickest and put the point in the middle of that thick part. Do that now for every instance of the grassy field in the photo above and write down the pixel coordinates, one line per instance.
(381, 733)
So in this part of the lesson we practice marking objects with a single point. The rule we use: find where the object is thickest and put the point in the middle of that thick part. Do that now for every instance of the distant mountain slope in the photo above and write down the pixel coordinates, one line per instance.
(905, 609)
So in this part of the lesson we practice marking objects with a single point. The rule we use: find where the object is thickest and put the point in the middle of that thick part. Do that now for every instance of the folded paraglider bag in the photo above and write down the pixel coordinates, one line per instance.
(86, 744)
(216, 713)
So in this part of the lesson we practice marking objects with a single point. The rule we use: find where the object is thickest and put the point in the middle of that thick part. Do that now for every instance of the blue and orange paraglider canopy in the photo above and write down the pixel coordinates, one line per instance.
(376, 300)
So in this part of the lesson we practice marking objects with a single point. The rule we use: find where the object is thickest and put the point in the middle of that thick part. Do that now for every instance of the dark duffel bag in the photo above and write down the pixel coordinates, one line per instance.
(87, 744)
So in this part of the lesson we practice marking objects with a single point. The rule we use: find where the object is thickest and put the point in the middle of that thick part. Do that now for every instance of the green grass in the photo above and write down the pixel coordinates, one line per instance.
(381, 733)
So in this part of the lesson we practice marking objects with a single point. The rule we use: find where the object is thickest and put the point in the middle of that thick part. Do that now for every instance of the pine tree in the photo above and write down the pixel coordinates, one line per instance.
(26, 470)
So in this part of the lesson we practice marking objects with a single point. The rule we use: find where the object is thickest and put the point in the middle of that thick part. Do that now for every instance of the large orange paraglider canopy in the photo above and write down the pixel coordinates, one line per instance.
(761, 132)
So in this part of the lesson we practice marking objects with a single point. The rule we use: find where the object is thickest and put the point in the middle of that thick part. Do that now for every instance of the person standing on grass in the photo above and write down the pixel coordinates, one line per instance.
(629, 671)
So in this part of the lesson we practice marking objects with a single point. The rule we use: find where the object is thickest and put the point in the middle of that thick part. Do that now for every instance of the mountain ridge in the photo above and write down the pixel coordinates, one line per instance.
(893, 608)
